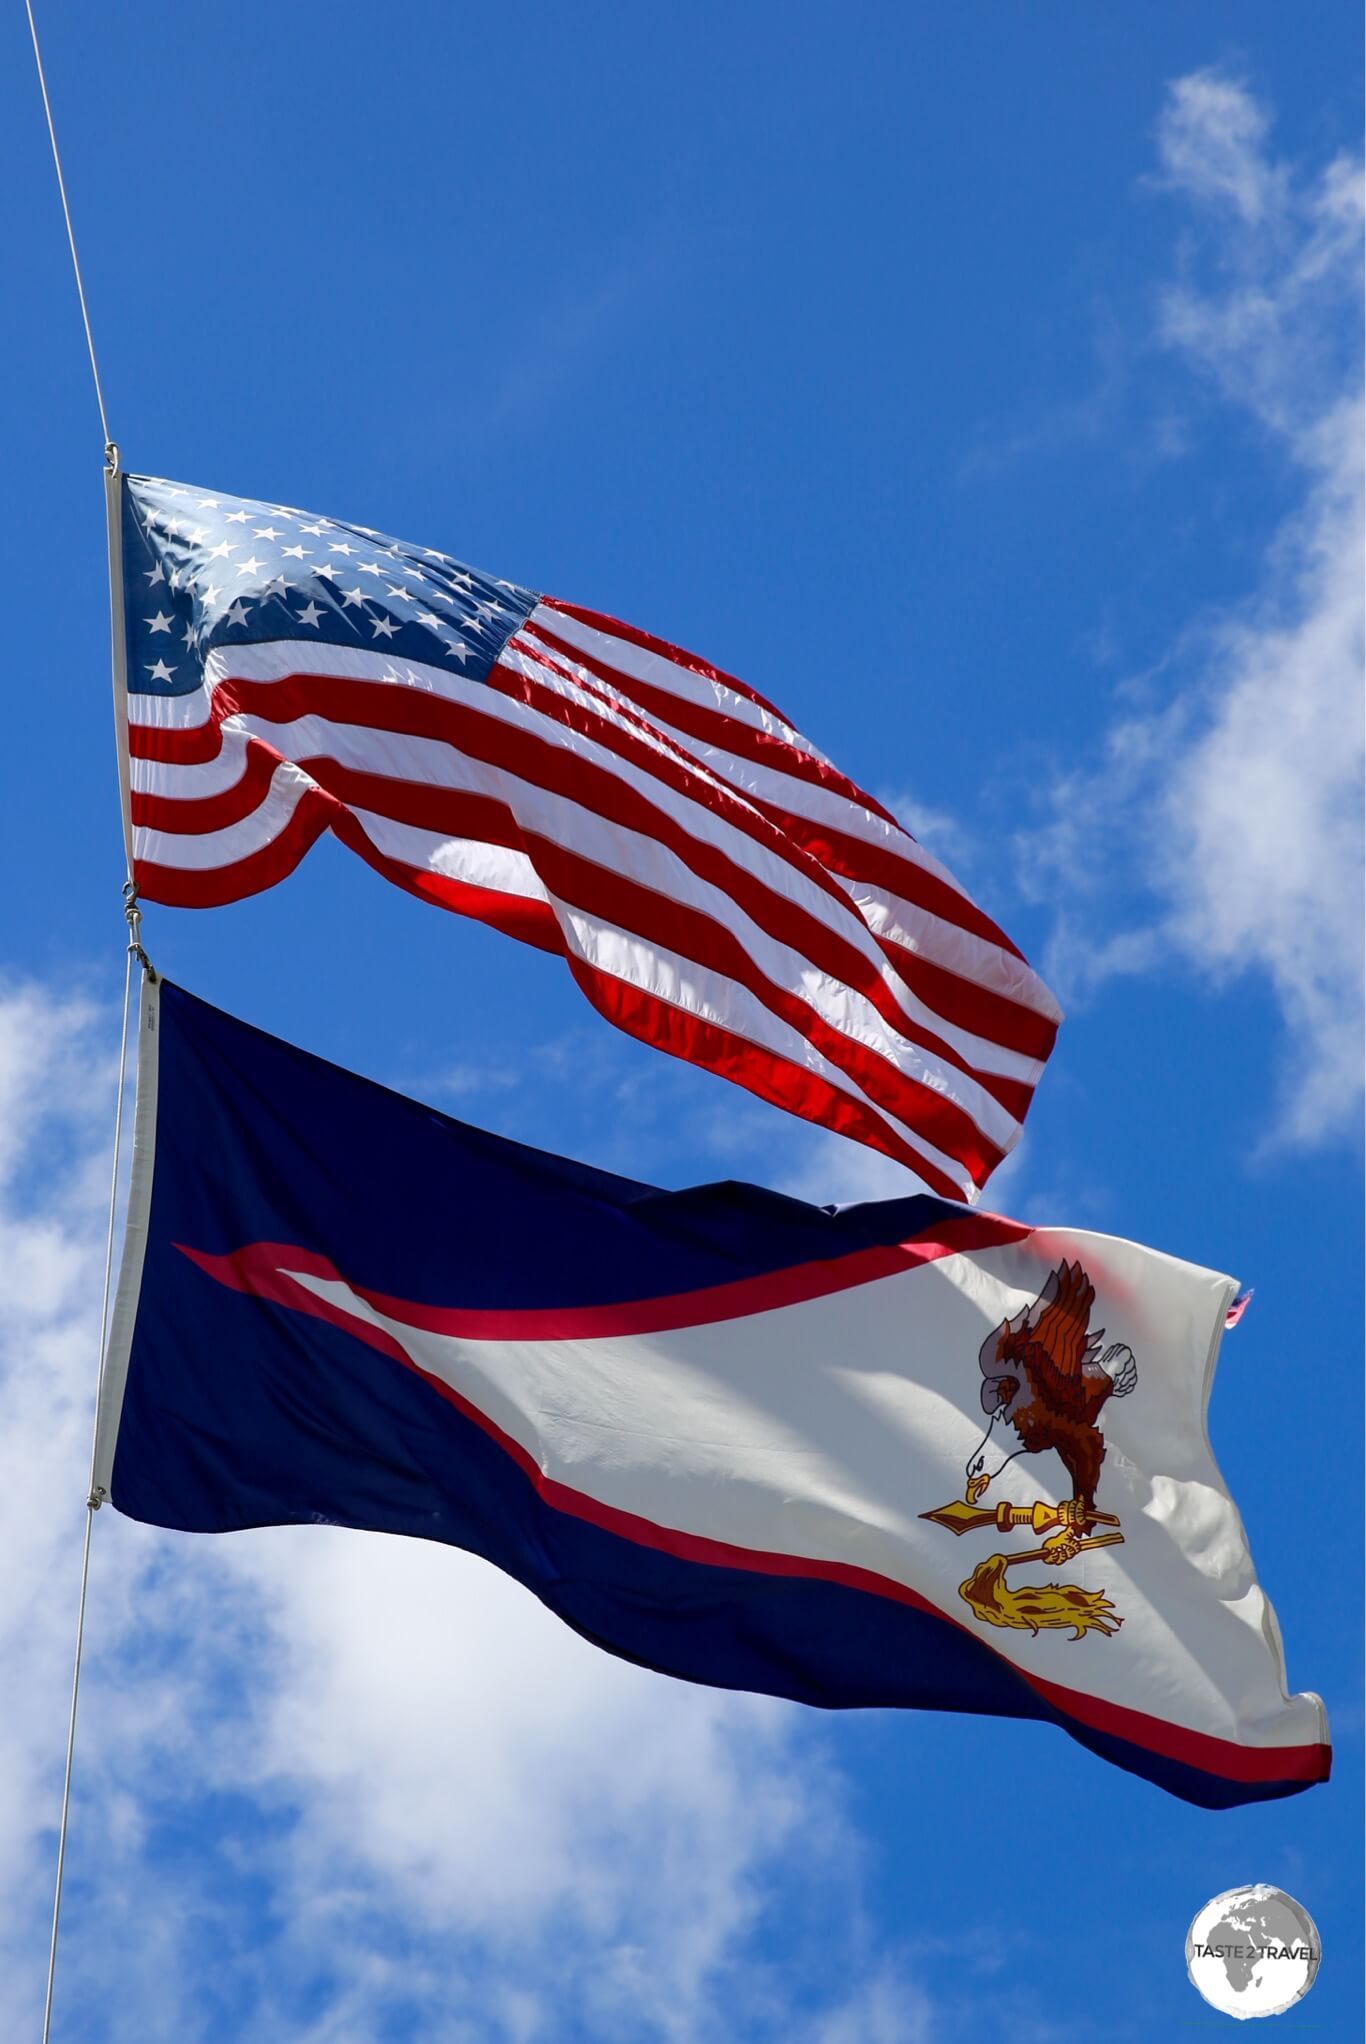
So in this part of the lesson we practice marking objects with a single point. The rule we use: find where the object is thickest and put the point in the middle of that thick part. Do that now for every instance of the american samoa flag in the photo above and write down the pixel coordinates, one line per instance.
(907, 1454)
(717, 887)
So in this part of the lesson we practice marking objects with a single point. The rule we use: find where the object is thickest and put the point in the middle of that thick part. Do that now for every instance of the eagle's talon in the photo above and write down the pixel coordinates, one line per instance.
(1061, 1547)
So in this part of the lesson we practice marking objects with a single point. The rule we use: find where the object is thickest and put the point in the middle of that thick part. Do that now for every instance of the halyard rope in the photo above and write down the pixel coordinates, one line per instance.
(133, 917)
(70, 231)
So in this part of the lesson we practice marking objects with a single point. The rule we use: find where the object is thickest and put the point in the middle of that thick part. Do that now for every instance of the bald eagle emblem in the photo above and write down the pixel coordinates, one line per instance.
(1045, 1381)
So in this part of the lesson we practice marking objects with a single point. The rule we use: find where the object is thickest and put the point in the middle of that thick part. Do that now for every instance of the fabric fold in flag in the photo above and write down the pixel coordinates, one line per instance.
(716, 885)
(902, 1454)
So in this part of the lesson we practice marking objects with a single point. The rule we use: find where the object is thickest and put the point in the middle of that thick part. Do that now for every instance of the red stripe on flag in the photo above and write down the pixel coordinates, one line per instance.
(854, 857)
(573, 697)
(760, 1071)
(967, 1004)
(453, 812)
(266, 1270)
(726, 733)
(216, 886)
(646, 1016)
(881, 866)
(598, 621)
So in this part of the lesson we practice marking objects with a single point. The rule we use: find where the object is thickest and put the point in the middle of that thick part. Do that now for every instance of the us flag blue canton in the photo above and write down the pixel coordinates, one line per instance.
(716, 885)
(205, 572)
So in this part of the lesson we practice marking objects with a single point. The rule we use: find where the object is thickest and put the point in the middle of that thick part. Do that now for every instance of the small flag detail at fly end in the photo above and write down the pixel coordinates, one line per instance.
(1239, 1307)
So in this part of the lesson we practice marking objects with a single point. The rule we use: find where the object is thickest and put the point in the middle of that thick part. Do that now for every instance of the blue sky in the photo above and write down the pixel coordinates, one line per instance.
(983, 385)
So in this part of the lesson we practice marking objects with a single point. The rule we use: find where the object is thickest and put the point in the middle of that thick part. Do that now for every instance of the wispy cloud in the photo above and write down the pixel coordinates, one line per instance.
(1067, 422)
(570, 325)
(946, 837)
(1233, 800)
(1268, 292)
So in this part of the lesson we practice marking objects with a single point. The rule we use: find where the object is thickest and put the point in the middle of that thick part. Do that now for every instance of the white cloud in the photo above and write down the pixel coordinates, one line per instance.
(946, 837)
(1237, 803)
(51, 1242)
(1267, 297)
(1211, 140)
(886, 2009)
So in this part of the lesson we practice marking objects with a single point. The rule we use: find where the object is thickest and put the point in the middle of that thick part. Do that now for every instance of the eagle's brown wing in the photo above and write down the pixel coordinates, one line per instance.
(1062, 1329)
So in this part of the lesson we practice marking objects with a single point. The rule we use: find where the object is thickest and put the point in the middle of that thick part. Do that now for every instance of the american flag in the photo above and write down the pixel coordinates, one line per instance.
(717, 887)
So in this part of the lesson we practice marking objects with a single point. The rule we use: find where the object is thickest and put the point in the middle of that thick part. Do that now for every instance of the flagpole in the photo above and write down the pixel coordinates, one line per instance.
(132, 913)
(113, 512)
(113, 499)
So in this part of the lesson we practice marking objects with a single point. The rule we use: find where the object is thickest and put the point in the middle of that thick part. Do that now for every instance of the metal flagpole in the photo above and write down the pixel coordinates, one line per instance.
(133, 918)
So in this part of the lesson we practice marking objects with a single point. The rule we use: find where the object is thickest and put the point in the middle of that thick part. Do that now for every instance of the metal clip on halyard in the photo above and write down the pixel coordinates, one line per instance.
(132, 915)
